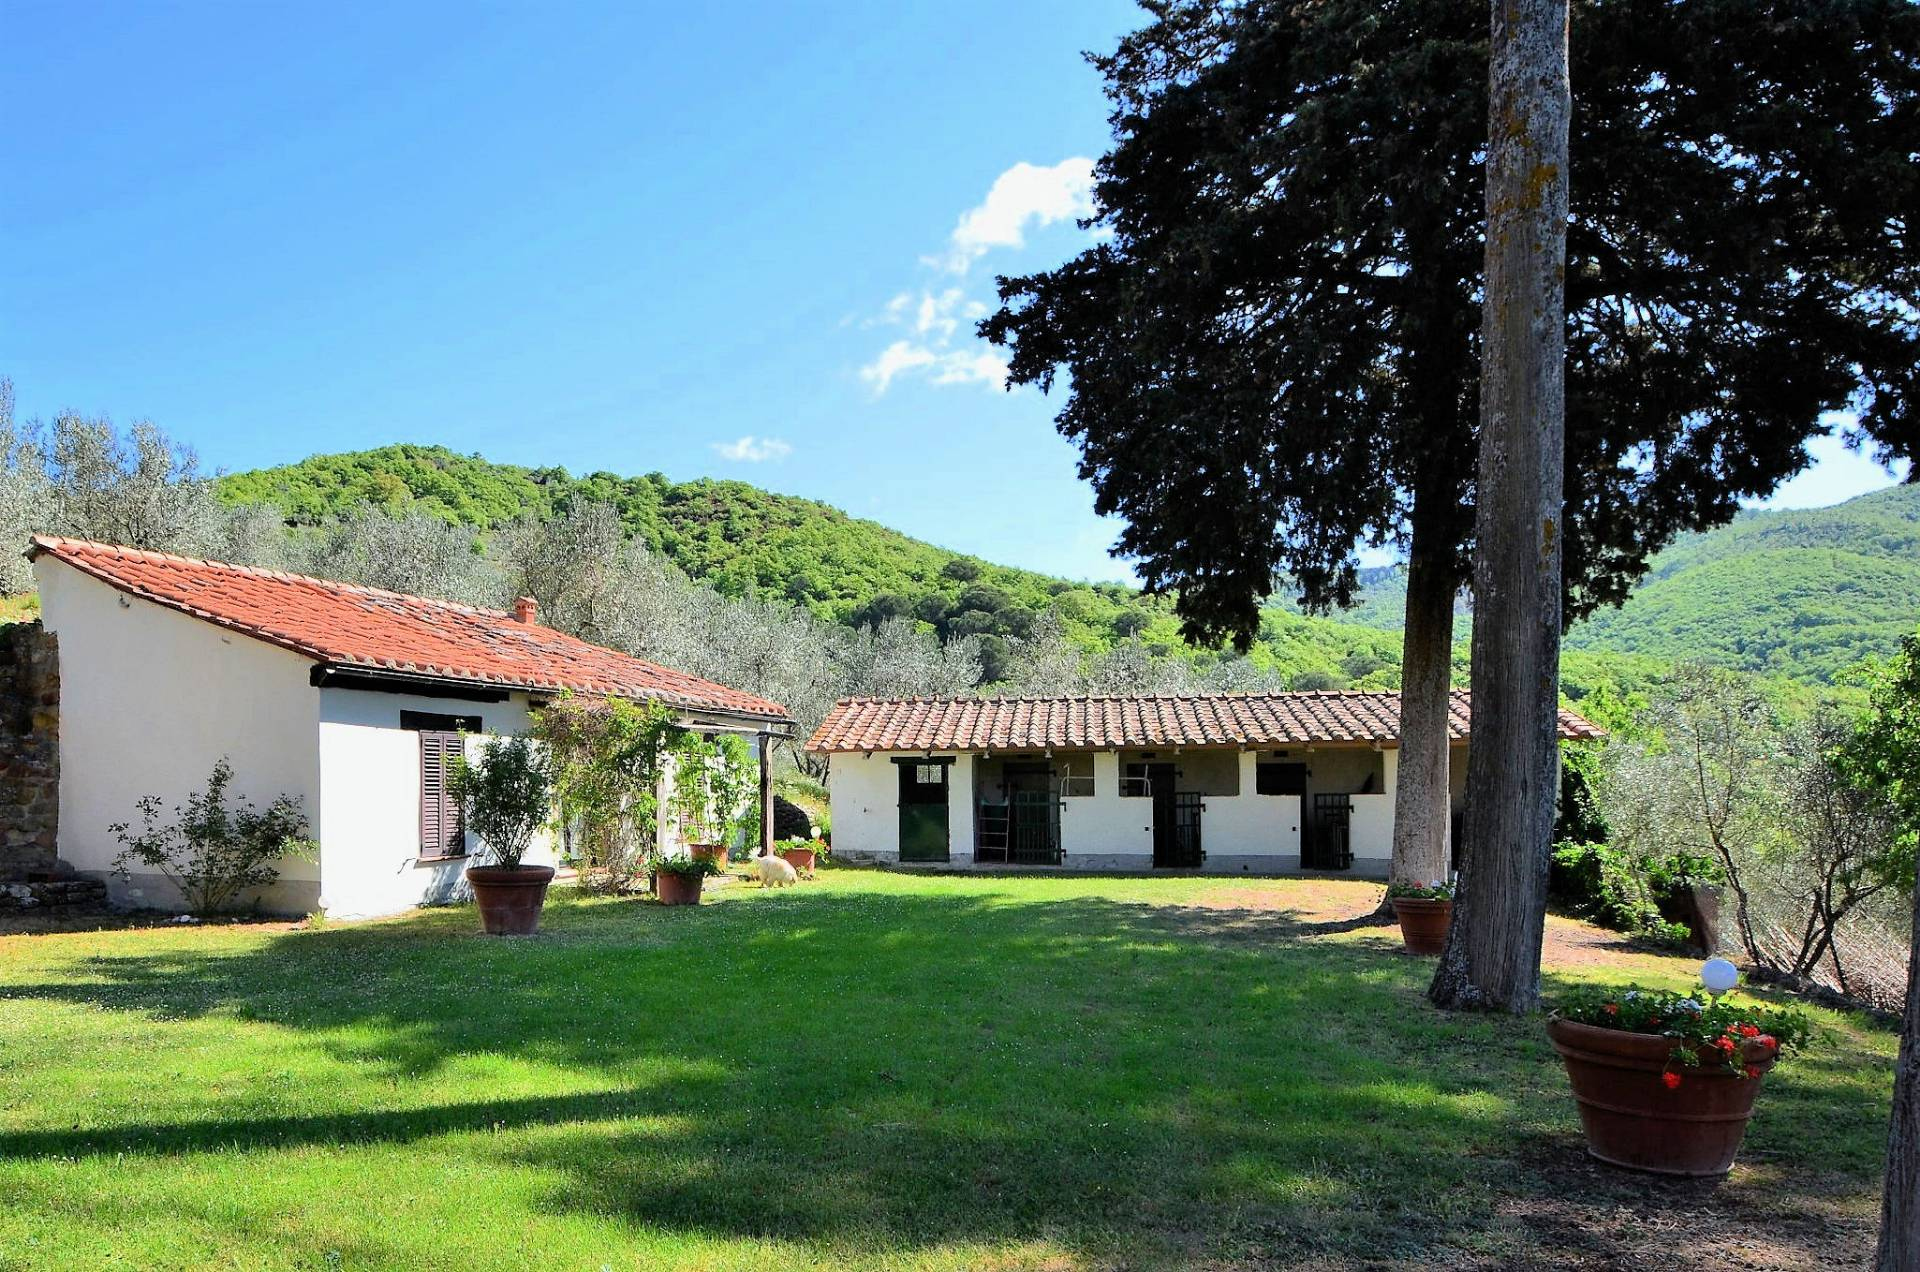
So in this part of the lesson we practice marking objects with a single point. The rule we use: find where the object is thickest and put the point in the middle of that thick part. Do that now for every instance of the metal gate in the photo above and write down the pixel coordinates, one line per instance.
(1036, 829)
(1185, 852)
(1329, 842)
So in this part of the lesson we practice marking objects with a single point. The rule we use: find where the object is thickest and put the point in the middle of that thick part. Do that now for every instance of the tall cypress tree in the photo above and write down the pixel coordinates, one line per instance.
(1492, 954)
(1274, 351)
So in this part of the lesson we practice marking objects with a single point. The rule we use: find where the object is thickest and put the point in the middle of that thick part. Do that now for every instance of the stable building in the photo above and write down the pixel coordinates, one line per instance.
(1243, 783)
(354, 700)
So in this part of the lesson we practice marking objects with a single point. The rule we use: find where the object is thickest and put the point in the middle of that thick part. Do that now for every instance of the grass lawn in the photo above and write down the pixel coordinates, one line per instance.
(872, 1070)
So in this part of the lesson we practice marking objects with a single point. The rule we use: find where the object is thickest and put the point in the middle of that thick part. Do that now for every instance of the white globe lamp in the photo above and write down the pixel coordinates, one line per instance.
(1718, 975)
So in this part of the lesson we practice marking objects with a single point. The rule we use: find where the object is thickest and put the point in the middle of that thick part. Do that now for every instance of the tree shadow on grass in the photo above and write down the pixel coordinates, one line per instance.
(865, 1071)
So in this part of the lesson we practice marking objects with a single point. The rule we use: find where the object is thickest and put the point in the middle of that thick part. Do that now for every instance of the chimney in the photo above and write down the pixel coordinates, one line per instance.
(524, 609)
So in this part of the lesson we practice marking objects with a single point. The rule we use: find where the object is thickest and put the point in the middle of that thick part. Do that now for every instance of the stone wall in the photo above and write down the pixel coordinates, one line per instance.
(29, 752)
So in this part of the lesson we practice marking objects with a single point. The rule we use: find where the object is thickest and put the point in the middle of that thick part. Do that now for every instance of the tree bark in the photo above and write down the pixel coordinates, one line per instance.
(1422, 810)
(1900, 1211)
(1492, 956)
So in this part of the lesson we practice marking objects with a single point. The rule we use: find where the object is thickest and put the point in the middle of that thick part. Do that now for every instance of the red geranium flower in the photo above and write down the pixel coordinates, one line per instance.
(1671, 1079)
(1749, 1031)
(1768, 1040)
(1612, 1009)
(1725, 1044)
(1753, 1070)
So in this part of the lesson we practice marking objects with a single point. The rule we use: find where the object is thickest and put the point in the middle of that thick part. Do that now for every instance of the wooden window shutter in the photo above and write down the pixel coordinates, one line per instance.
(442, 833)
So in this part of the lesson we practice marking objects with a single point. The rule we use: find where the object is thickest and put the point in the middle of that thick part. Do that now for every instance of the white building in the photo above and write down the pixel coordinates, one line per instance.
(349, 698)
(1253, 783)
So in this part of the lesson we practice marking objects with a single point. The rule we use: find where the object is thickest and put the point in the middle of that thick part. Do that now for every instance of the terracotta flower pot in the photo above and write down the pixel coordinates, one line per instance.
(673, 889)
(717, 853)
(1633, 1118)
(800, 859)
(510, 899)
(1423, 923)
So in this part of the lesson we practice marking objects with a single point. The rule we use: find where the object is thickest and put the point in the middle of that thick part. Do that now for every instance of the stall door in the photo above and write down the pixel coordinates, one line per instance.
(1161, 779)
(1034, 795)
(923, 811)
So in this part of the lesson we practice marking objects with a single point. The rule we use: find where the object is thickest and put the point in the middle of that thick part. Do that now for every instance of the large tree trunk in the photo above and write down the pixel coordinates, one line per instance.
(1492, 956)
(1900, 1211)
(1422, 810)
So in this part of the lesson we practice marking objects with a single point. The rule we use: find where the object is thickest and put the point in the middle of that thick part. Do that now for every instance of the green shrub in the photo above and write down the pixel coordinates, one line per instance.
(507, 795)
(1617, 890)
(1601, 883)
(684, 867)
(211, 853)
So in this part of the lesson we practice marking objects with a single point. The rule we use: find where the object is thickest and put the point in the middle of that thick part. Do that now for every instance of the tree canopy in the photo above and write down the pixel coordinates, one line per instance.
(1274, 350)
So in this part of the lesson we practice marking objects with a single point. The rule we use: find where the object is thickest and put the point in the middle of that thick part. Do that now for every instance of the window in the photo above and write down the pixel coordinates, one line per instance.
(1134, 781)
(438, 723)
(922, 782)
(1076, 785)
(443, 831)
(1280, 779)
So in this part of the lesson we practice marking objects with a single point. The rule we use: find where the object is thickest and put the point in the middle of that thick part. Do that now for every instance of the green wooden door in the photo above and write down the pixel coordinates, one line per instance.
(923, 811)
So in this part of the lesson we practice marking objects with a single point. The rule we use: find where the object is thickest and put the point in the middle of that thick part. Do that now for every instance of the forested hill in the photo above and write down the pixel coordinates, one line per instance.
(739, 538)
(734, 536)
(1801, 595)
(1805, 594)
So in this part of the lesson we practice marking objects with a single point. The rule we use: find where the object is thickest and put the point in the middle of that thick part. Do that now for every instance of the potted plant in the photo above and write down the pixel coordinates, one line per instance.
(1666, 1082)
(506, 796)
(678, 880)
(802, 854)
(1424, 911)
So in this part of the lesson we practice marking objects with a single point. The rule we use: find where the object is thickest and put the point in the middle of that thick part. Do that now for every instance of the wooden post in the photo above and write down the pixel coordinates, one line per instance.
(766, 794)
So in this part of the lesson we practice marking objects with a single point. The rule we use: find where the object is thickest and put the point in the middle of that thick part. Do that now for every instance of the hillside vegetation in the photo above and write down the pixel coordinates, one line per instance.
(743, 540)
(1803, 594)
(1799, 597)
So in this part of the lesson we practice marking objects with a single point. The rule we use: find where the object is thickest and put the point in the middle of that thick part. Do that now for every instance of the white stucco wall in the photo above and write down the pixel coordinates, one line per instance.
(150, 700)
(960, 810)
(1371, 829)
(1250, 831)
(1105, 825)
(370, 800)
(1245, 832)
(864, 794)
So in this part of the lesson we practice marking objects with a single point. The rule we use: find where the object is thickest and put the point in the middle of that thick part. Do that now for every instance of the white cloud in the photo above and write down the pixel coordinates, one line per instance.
(1024, 194)
(986, 367)
(753, 450)
(938, 365)
(939, 348)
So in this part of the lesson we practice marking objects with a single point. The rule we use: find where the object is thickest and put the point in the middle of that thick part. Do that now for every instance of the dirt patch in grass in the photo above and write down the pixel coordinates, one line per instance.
(39, 922)
(1579, 1213)
(1302, 908)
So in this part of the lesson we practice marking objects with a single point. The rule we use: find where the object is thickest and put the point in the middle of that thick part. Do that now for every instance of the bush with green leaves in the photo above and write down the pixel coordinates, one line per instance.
(212, 852)
(1604, 884)
(714, 779)
(1438, 890)
(683, 866)
(506, 795)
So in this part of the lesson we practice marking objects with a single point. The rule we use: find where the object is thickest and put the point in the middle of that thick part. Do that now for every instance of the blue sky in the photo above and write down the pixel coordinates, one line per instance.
(743, 241)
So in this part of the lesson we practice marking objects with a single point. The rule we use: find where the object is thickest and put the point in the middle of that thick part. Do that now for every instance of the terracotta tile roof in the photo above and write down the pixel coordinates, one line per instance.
(1219, 719)
(350, 627)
